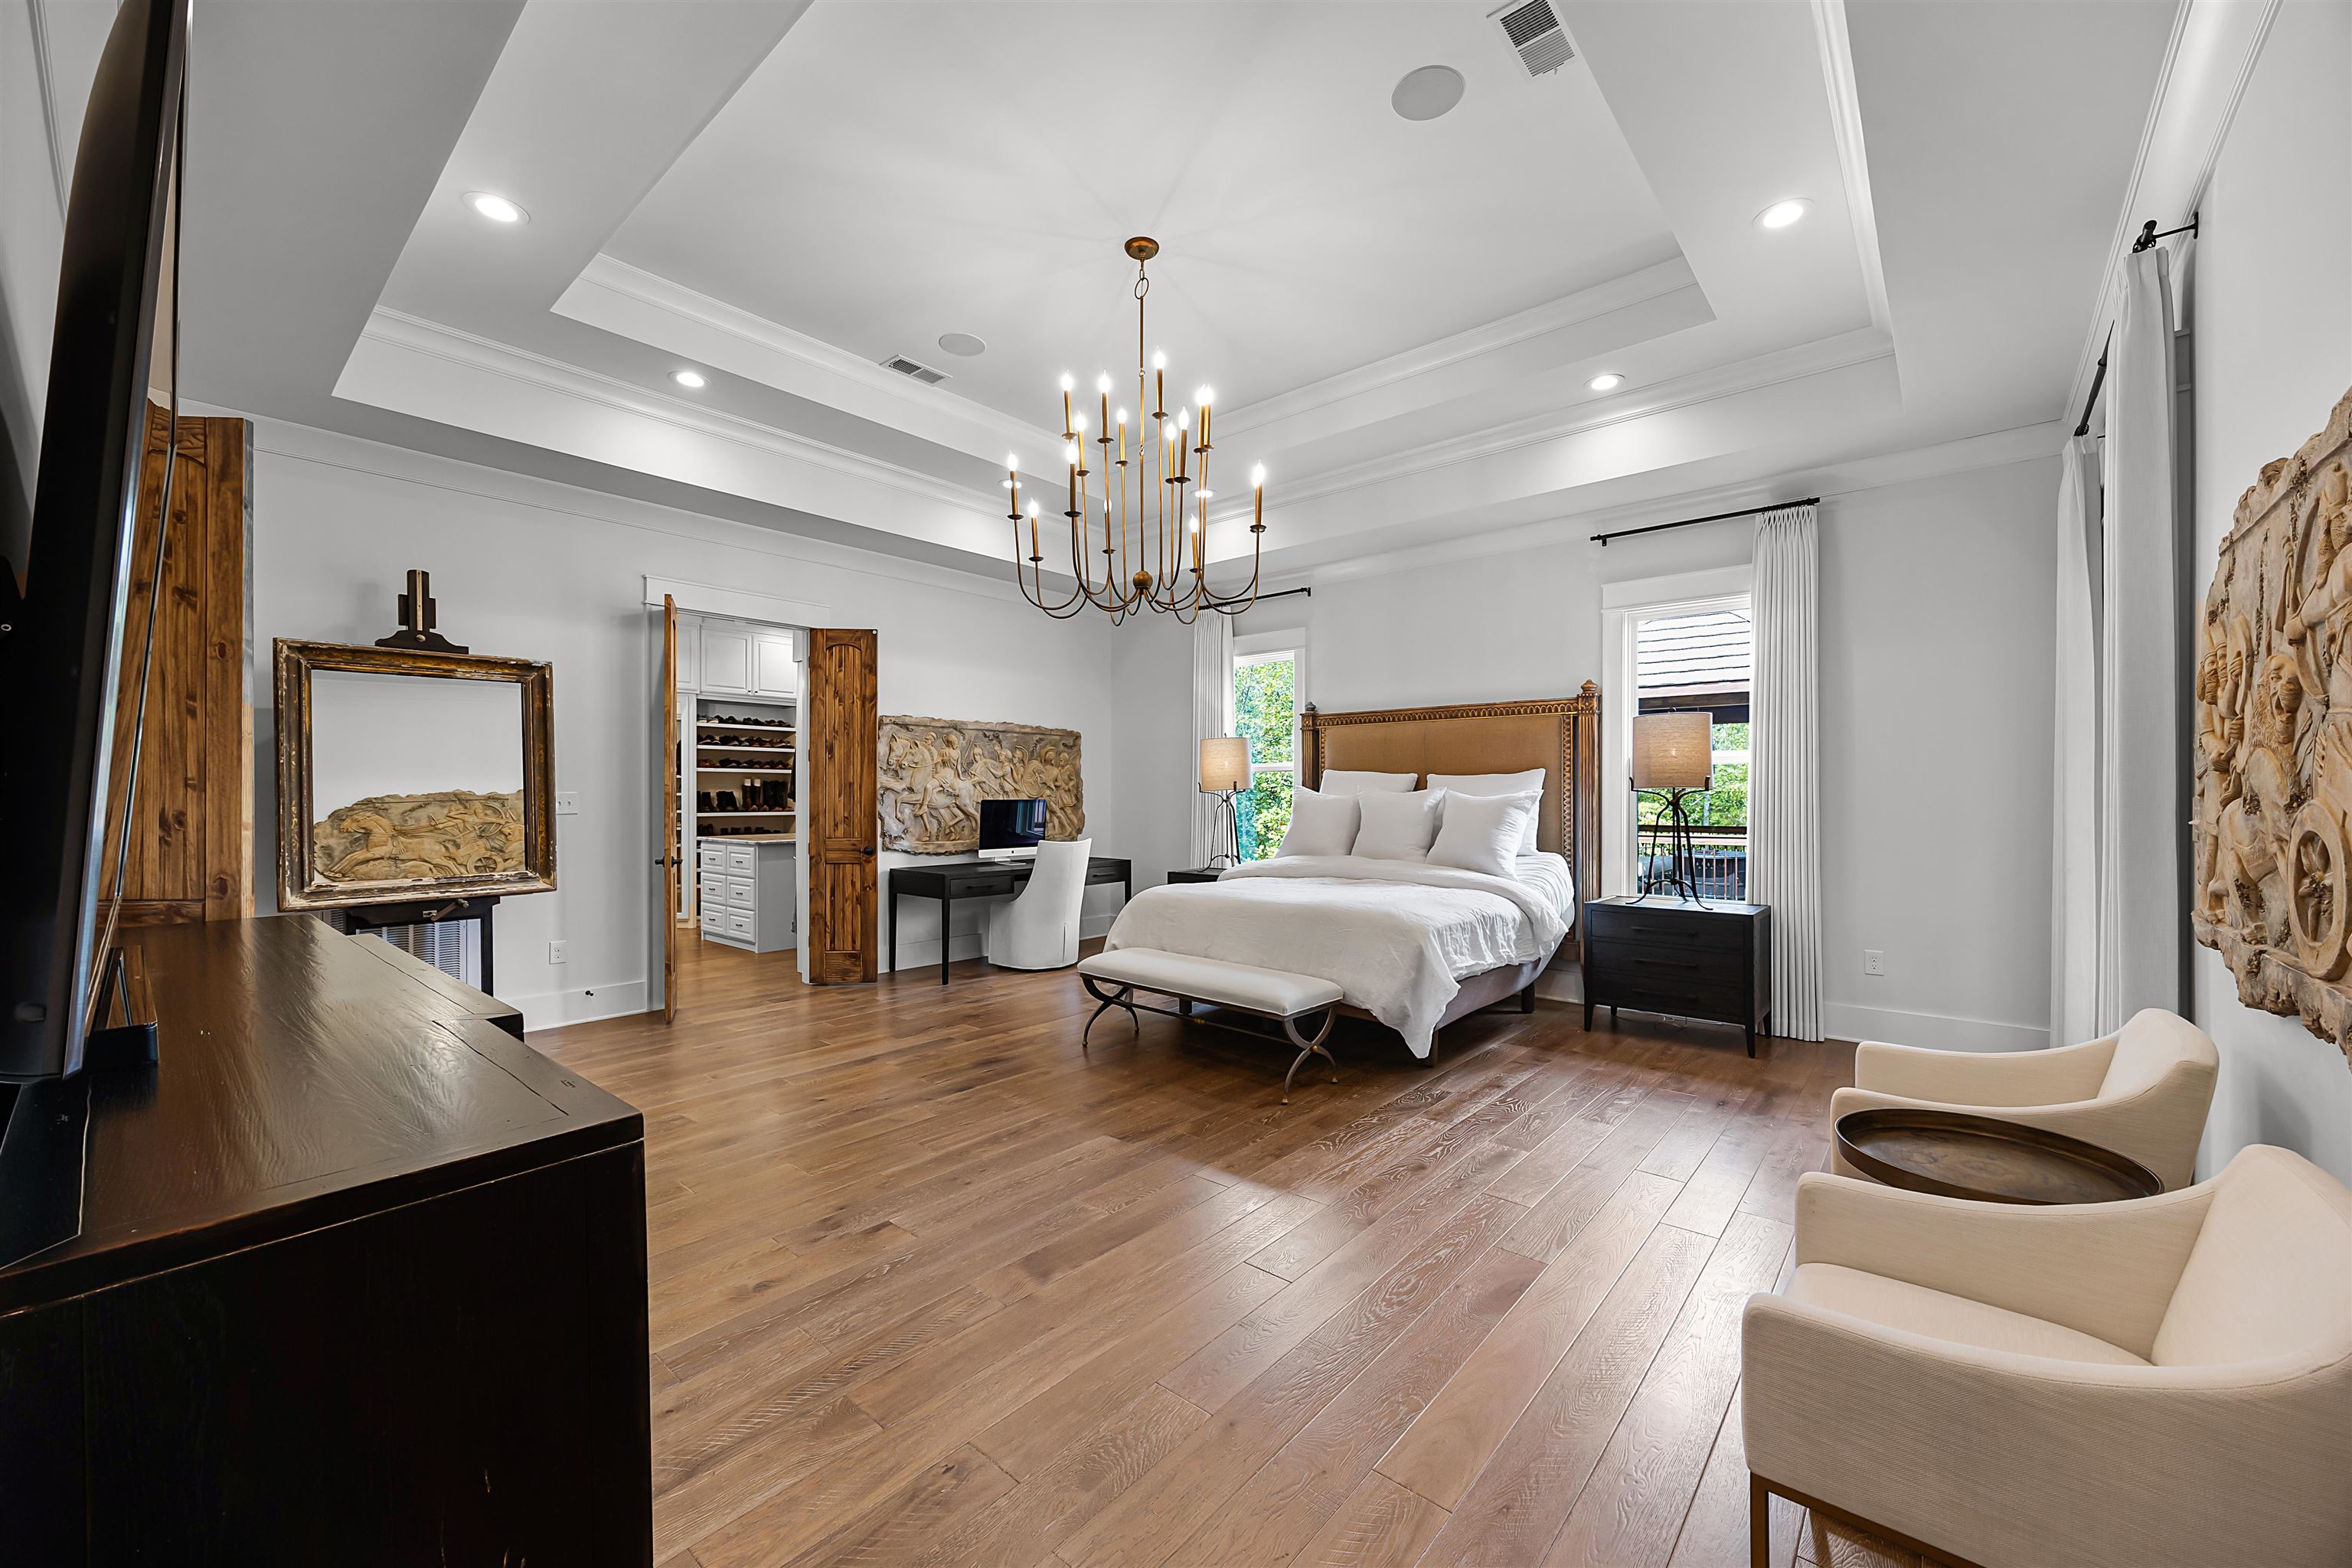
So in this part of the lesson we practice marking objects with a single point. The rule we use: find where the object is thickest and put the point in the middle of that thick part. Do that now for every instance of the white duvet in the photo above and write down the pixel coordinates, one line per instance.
(1397, 936)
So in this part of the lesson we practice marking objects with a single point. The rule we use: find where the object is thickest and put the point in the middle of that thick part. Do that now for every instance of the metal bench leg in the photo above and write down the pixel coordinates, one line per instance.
(1124, 997)
(1307, 1047)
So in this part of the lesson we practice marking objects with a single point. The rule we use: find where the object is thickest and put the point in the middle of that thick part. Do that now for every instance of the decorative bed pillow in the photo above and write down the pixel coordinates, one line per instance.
(1320, 824)
(1345, 781)
(1398, 826)
(1490, 785)
(1481, 833)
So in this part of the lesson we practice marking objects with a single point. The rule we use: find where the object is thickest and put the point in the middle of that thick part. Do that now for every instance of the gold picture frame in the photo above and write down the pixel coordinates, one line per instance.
(401, 847)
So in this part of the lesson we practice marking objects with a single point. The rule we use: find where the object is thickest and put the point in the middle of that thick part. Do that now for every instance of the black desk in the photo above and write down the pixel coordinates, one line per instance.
(949, 880)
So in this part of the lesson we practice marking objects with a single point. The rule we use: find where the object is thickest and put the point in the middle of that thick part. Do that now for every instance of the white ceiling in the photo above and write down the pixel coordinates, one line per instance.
(1400, 318)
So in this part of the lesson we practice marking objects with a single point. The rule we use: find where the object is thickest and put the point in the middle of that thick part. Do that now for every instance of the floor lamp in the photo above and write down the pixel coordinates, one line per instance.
(1673, 754)
(1224, 773)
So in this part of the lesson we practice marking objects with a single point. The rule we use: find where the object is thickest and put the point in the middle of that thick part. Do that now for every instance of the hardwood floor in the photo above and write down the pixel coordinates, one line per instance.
(931, 1286)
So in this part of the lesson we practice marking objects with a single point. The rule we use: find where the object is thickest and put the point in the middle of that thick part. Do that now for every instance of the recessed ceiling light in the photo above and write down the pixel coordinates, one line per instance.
(962, 343)
(1607, 381)
(1426, 92)
(1780, 215)
(495, 208)
(689, 379)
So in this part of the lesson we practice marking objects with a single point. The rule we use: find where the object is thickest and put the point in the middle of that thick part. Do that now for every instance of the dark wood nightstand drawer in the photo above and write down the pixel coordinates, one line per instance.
(1680, 958)
(1666, 926)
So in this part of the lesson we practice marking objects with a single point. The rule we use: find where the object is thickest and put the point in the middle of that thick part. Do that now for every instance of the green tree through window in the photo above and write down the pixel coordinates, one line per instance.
(1266, 715)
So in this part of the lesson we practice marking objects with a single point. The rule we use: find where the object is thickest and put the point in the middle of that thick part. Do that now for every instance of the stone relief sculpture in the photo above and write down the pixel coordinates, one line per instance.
(932, 772)
(2273, 742)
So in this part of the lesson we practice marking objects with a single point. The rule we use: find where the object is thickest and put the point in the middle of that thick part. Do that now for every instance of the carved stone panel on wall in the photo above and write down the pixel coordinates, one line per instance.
(933, 772)
(2272, 864)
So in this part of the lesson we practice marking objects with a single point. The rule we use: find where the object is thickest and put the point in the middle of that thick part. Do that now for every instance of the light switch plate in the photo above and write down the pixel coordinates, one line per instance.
(567, 804)
(556, 954)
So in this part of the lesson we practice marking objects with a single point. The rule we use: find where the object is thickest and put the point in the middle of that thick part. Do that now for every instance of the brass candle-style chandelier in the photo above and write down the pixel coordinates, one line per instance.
(1154, 537)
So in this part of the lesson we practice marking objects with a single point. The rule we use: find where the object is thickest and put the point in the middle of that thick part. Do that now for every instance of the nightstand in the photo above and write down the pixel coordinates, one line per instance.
(1711, 961)
(1197, 874)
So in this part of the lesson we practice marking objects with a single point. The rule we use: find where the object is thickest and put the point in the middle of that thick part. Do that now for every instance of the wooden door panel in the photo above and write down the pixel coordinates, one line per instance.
(838, 720)
(191, 829)
(667, 855)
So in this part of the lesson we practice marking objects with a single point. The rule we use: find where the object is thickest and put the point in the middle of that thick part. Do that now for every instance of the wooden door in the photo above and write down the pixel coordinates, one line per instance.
(668, 859)
(190, 856)
(838, 724)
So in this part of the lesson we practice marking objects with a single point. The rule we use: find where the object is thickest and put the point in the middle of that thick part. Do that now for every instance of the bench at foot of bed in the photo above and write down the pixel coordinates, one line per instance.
(1114, 978)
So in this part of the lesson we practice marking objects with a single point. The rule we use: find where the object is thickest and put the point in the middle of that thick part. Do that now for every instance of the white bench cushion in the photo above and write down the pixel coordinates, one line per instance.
(1272, 991)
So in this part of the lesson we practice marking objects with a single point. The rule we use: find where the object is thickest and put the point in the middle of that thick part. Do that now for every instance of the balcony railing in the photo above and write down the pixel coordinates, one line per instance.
(1718, 861)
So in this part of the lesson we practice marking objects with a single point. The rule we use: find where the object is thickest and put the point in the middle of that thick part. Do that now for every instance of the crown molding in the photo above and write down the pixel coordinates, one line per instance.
(321, 448)
(1996, 449)
(656, 292)
(2208, 62)
(414, 334)
(1586, 304)
(1854, 161)
(1861, 346)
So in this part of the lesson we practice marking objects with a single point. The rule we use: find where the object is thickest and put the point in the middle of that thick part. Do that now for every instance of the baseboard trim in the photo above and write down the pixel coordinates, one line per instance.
(555, 1009)
(1936, 1031)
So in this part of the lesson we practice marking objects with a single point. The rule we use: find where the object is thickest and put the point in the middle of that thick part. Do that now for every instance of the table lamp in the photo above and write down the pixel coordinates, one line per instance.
(1673, 754)
(1224, 773)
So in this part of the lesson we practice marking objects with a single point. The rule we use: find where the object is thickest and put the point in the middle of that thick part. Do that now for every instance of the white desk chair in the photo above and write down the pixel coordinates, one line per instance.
(1038, 928)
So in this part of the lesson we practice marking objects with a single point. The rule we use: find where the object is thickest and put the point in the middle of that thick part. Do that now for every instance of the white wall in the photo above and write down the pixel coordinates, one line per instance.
(2271, 302)
(527, 568)
(1935, 718)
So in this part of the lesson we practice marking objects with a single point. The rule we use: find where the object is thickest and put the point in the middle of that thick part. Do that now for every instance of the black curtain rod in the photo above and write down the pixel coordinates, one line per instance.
(2146, 241)
(1603, 539)
(1284, 593)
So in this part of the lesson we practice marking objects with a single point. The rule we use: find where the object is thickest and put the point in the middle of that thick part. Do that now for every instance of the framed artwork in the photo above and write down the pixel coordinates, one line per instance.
(405, 773)
(933, 772)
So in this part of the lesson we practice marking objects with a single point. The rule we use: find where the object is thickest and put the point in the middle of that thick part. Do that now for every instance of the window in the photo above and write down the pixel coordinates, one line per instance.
(1698, 660)
(1265, 689)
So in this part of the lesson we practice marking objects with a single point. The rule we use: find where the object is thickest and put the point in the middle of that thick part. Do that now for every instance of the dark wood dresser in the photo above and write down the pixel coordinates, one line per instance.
(1711, 961)
(360, 1280)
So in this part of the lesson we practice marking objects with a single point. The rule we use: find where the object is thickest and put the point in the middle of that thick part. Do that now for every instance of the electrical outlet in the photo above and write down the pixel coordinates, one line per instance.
(556, 954)
(567, 804)
(1874, 962)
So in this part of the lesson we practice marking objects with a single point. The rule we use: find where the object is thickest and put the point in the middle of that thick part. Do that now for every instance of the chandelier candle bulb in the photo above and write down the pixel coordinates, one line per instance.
(1067, 385)
(1158, 385)
(1122, 437)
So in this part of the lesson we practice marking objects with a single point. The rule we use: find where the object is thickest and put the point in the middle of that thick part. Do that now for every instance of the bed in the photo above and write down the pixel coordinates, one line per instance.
(1411, 946)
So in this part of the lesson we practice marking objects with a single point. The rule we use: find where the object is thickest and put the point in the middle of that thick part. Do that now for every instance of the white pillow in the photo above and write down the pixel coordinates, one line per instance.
(1481, 833)
(1320, 824)
(1493, 784)
(1341, 781)
(1398, 826)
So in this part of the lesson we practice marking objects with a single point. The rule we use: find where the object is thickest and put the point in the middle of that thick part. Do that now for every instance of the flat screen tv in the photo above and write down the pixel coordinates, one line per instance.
(69, 663)
(1011, 827)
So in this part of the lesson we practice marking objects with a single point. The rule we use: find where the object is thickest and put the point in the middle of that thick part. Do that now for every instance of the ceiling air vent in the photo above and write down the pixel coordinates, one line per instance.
(918, 369)
(1536, 34)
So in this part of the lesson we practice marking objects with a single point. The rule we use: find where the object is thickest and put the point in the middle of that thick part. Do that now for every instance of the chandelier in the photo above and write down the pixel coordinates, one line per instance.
(1146, 499)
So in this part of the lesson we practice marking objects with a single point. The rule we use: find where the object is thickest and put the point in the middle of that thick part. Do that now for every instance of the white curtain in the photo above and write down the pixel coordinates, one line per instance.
(2074, 839)
(1784, 812)
(1213, 715)
(2139, 798)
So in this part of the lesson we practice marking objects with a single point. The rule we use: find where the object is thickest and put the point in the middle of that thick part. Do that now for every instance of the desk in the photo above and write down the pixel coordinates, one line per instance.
(949, 880)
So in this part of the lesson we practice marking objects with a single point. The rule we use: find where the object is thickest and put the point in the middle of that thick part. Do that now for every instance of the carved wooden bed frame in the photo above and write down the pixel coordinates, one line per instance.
(1561, 735)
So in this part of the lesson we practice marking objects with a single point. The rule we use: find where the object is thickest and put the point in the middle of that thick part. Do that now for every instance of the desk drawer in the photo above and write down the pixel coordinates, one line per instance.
(1666, 928)
(991, 885)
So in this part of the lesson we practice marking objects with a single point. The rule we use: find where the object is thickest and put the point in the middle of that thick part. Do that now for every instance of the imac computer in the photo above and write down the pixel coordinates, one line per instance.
(1011, 830)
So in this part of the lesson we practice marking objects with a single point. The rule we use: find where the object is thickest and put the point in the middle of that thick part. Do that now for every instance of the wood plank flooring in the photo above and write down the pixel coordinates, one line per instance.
(931, 1286)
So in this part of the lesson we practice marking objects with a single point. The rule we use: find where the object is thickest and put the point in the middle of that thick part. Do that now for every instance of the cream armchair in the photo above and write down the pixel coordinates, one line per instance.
(2160, 1382)
(2142, 1092)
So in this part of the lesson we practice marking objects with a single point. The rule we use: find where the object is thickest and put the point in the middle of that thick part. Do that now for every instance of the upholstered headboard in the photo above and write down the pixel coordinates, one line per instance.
(1559, 735)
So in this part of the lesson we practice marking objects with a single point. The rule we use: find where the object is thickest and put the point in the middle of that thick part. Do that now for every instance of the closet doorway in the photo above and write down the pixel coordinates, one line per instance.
(740, 764)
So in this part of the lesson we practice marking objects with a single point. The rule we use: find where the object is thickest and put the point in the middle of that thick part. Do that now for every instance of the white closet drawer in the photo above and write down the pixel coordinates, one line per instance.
(714, 890)
(739, 923)
(711, 856)
(738, 859)
(742, 892)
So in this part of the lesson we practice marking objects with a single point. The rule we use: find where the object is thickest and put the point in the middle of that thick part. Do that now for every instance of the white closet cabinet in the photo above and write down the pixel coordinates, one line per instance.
(727, 659)
(773, 671)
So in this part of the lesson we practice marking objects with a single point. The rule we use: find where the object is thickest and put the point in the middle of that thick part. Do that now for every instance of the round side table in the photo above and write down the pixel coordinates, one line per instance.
(1956, 1155)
